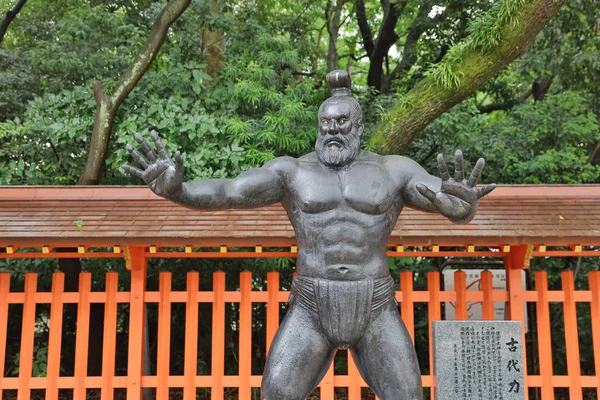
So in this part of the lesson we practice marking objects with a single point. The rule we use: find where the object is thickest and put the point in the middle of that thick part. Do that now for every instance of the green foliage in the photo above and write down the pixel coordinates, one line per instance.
(46, 144)
(484, 32)
(545, 142)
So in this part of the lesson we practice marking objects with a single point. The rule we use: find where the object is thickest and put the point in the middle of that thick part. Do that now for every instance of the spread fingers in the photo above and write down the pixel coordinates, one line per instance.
(137, 156)
(145, 146)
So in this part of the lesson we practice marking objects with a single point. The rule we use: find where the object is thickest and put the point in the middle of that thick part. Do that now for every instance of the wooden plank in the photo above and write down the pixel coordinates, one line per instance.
(110, 336)
(434, 311)
(543, 334)
(27, 337)
(407, 305)
(326, 386)
(82, 335)
(137, 314)
(190, 369)
(594, 282)
(245, 345)
(55, 336)
(487, 306)
(163, 361)
(571, 336)
(460, 287)
(4, 290)
(272, 306)
(354, 389)
(218, 336)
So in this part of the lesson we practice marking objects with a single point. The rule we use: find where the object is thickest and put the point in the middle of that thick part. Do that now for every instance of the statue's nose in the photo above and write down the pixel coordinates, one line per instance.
(333, 127)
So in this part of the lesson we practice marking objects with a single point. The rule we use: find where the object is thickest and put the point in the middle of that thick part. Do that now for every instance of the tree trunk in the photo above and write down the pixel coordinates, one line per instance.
(333, 15)
(108, 104)
(213, 46)
(460, 74)
(8, 18)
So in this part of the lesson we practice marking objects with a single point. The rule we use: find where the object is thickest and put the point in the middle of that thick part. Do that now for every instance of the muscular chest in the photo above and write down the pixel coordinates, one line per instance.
(366, 188)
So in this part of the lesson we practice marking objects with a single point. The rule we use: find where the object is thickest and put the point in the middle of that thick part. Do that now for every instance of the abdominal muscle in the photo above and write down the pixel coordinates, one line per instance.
(342, 248)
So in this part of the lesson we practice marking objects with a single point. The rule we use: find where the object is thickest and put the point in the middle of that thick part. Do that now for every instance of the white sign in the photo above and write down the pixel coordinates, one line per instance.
(474, 308)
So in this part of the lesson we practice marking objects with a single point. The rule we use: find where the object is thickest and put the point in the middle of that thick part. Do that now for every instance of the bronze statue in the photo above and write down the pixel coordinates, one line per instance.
(343, 203)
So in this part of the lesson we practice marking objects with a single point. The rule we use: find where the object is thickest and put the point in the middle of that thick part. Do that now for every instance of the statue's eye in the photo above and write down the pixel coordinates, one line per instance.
(342, 120)
(325, 122)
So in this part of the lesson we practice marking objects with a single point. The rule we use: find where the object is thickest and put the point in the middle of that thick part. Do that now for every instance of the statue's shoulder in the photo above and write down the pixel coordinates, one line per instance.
(282, 165)
(366, 155)
(401, 169)
(309, 161)
(395, 162)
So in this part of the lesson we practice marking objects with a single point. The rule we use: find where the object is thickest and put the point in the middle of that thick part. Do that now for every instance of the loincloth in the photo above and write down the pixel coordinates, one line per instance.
(343, 308)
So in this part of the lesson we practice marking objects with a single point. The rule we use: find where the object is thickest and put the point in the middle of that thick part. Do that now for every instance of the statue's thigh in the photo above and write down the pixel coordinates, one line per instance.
(386, 358)
(298, 358)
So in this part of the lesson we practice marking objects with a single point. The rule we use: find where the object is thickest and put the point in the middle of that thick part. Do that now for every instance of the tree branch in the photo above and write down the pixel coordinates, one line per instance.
(421, 23)
(363, 25)
(488, 108)
(107, 105)
(386, 38)
(465, 68)
(8, 18)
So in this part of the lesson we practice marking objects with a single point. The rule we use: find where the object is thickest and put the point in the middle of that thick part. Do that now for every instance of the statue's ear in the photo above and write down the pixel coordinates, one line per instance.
(361, 128)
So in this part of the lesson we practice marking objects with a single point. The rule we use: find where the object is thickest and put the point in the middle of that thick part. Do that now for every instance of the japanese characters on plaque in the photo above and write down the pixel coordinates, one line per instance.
(478, 360)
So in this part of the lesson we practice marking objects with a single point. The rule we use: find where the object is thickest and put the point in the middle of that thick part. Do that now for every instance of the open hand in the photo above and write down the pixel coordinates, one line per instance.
(163, 175)
(458, 197)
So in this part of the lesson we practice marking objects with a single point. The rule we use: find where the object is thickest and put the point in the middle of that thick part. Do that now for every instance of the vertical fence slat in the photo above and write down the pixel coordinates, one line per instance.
(354, 390)
(571, 336)
(82, 335)
(218, 336)
(245, 350)
(163, 357)
(137, 321)
(543, 334)
(4, 290)
(594, 281)
(460, 287)
(110, 335)
(272, 306)
(27, 336)
(55, 337)
(487, 287)
(190, 369)
(407, 304)
(435, 313)
(327, 388)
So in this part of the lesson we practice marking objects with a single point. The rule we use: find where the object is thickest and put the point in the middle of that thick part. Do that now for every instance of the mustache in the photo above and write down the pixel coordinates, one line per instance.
(343, 140)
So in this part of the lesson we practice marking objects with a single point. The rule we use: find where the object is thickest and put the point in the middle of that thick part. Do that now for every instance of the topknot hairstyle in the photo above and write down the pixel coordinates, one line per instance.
(339, 82)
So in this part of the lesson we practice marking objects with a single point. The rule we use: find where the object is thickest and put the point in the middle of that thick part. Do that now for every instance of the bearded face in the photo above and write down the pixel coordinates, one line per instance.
(338, 142)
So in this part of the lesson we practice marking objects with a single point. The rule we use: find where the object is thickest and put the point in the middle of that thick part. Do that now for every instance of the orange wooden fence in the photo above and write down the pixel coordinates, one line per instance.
(138, 297)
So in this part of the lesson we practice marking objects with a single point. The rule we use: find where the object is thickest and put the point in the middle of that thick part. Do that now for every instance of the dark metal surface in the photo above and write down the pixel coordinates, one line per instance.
(343, 203)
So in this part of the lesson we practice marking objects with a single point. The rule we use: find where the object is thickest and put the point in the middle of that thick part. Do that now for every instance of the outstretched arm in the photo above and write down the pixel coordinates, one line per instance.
(455, 198)
(253, 188)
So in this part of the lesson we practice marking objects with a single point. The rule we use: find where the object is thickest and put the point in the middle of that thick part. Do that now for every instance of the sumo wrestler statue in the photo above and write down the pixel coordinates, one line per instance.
(343, 203)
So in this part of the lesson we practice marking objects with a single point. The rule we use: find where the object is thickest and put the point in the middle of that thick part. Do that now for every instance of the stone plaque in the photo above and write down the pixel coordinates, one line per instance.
(478, 360)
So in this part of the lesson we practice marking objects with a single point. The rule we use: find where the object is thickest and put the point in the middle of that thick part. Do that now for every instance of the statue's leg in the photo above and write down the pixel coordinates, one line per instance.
(298, 358)
(386, 358)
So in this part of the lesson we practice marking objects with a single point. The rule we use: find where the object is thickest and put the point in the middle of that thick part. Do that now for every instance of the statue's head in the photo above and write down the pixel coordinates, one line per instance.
(340, 123)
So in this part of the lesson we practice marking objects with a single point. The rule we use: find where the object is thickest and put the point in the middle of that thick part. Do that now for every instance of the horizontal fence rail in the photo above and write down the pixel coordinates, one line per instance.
(245, 299)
